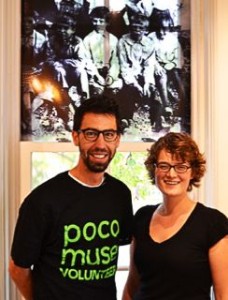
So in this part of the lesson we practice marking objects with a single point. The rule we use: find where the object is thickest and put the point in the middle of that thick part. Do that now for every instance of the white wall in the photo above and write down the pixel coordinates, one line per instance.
(214, 84)
(209, 112)
(221, 104)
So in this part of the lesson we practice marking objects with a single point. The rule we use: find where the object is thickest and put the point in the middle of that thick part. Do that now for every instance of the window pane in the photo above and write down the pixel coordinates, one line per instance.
(47, 164)
(129, 167)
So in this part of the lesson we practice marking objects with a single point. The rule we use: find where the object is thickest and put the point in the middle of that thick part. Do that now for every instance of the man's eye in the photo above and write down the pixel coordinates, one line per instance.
(109, 134)
(91, 133)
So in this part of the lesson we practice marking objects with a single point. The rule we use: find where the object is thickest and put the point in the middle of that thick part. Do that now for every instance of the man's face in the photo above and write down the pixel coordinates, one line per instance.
(28, 24)
(66, 31)
(96, 155)
(137, 31)
(162, 32)
(99, 24)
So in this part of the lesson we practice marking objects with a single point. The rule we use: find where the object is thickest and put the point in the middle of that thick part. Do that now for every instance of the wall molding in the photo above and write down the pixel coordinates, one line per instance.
(9, 126)
(203, 72)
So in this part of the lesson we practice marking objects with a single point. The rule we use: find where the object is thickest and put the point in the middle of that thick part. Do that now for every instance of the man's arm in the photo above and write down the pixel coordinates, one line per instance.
(22, 278)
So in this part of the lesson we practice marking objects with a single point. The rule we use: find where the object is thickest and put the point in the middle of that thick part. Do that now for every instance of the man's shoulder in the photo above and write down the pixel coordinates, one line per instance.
(76, 40)
(112, 37)
(89, 36)
(56, 182)
(147, 41)
(47, 192)
(126, 38)
(115, 181)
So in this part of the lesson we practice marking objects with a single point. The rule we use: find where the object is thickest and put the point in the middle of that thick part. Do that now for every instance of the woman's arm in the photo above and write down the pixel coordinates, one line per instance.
(132, 282)
(218, 257)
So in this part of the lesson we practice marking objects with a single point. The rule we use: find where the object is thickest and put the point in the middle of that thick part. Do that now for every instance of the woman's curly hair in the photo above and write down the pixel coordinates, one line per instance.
(181, 146)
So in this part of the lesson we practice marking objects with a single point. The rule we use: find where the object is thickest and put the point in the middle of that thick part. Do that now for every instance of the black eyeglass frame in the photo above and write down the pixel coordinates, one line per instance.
(98, 132)
(175, 167)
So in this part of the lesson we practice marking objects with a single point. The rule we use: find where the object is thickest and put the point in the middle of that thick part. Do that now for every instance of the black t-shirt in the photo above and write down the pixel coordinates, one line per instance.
(178, 268)
(70, 235)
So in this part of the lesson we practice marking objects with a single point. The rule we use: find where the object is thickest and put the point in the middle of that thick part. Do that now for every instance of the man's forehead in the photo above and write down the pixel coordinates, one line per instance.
(97, 119)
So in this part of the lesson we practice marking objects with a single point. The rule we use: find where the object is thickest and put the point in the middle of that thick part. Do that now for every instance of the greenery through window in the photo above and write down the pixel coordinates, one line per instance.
(126, 166)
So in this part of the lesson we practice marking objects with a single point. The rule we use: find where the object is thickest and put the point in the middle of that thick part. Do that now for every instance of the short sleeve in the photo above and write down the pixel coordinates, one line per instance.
(142, 217)
(218, 227)
(29, 232)
(126, 227)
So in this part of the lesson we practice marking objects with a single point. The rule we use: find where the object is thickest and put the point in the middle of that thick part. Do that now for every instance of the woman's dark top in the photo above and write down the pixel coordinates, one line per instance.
(177, 268)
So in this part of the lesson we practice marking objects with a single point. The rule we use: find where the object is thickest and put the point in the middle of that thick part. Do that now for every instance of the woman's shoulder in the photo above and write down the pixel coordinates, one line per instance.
(214, 220)
(145, 210)
(210, 212)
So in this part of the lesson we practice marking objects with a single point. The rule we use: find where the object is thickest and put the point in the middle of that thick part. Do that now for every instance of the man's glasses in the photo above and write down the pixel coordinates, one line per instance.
(92, 135)
(165, 167)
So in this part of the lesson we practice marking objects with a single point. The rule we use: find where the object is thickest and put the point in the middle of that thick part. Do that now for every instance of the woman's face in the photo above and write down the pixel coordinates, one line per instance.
(171, 182)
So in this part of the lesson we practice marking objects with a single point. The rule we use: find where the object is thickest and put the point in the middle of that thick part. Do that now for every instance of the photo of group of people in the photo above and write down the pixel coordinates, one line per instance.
(135, 51)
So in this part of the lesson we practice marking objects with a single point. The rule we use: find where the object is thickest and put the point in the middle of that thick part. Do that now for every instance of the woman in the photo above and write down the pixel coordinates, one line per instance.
(180, 247)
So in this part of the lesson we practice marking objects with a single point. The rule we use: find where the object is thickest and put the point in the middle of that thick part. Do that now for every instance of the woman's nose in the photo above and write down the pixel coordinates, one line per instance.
(172, 172)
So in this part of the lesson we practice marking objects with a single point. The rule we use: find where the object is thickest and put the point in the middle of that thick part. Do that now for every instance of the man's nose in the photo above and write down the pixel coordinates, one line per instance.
(100, 139)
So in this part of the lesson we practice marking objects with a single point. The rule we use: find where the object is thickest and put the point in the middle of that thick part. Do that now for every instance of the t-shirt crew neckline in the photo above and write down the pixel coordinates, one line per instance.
(85, 184)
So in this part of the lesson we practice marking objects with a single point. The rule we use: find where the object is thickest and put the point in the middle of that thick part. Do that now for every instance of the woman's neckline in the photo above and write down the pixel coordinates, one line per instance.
(176, 232)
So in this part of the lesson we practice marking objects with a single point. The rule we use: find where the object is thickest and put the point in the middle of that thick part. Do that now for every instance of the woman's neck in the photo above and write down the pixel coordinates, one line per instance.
(176, 206)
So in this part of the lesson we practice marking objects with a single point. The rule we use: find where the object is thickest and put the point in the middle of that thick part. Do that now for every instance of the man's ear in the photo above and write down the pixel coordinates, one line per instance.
(75, 137)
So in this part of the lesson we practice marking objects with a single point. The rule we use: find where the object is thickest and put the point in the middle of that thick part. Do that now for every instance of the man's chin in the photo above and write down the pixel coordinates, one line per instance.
(97, 168)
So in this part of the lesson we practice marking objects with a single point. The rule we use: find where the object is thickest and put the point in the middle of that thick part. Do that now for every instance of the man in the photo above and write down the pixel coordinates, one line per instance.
(170, 57)
(102, 50)
(65, 59)
(137, 66)
(31, 47)
(68, 231)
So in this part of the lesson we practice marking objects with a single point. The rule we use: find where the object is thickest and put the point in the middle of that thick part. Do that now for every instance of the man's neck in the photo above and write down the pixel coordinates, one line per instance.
(87, 177)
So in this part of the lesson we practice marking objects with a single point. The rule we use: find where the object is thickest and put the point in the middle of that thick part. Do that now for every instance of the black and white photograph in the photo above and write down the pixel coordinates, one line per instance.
(137, 52)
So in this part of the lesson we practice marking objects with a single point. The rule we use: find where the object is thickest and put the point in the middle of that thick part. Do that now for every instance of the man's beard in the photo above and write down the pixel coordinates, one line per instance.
(97, 167)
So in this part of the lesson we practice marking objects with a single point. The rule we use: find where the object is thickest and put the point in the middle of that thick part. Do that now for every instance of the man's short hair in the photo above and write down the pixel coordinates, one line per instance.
(64, 21)
(97, 105)
(101, 12)
(139, 20)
